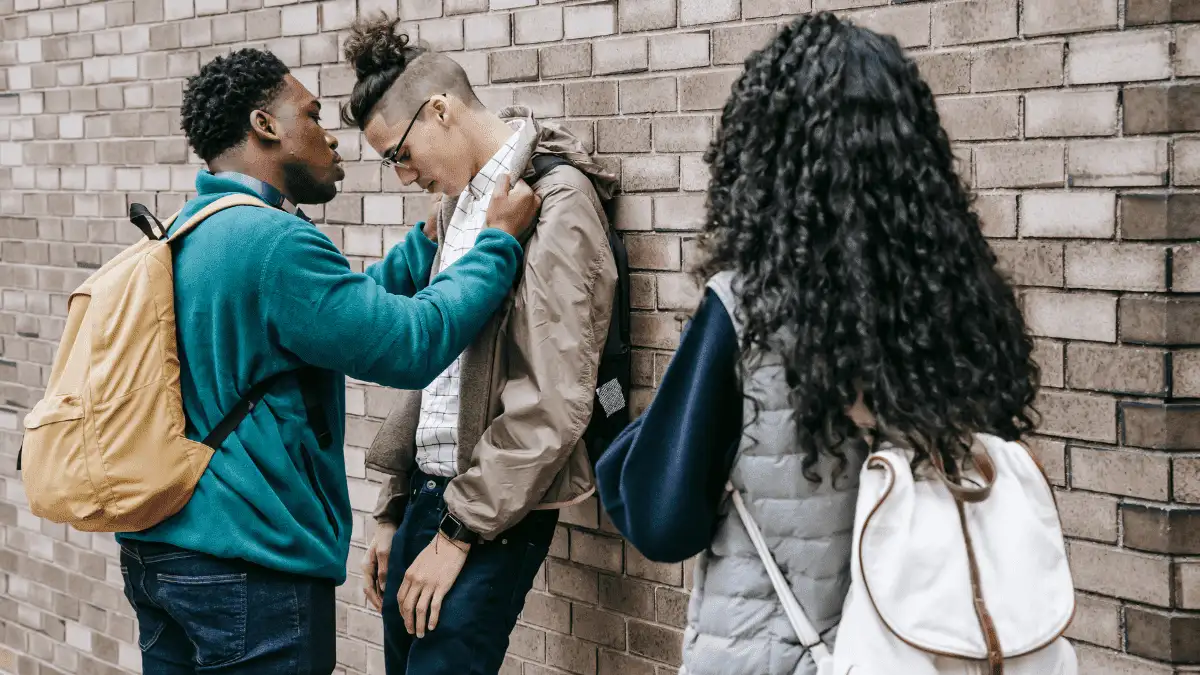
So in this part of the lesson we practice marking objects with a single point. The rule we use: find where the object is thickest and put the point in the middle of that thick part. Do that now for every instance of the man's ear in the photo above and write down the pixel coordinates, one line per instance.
(441, 108)
(264, 126)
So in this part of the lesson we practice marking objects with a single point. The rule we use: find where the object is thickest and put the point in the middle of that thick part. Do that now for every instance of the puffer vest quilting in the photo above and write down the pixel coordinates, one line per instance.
(736, 625)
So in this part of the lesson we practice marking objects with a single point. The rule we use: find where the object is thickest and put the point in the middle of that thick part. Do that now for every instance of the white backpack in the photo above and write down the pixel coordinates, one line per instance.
(947, 577)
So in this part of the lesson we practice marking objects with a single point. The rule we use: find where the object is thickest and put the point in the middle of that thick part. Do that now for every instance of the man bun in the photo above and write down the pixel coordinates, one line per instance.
(375, 47)
(378, 54)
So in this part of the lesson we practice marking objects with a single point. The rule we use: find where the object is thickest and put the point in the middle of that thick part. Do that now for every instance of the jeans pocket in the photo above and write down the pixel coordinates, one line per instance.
(211, 609)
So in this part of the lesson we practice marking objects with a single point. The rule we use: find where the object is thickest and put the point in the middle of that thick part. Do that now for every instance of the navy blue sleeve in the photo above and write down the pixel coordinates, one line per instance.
(662, 480)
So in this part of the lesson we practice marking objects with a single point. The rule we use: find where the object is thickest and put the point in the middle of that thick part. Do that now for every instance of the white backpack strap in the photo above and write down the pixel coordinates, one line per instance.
(219, 205)
(808, 635)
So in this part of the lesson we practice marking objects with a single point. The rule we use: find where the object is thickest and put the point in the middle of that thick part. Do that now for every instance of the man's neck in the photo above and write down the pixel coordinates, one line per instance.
(252, 169)
(488, 133)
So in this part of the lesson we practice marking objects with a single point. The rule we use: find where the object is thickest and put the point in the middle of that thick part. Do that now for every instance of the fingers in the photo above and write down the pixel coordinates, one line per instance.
(406, 597)
(501, 188)
(370, 587)
(373, 596)
(423, 610)
(435, 607)
(381, 575)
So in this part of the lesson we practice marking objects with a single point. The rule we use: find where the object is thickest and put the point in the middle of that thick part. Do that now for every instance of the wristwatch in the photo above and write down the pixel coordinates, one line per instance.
(454, 530)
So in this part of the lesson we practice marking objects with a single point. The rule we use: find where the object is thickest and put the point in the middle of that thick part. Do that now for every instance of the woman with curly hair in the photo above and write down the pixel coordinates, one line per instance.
(850, 296)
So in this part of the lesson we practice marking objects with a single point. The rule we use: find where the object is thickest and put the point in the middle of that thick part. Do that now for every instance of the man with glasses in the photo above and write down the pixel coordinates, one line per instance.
(242, 579)
(482, 460)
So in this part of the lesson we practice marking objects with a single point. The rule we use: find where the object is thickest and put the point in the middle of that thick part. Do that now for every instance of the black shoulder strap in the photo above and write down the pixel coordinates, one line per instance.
(312, 407)
(542, 164)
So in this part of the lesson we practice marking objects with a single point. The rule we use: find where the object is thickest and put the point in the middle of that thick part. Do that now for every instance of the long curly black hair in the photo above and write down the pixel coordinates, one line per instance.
(217, 102)
(835, 201)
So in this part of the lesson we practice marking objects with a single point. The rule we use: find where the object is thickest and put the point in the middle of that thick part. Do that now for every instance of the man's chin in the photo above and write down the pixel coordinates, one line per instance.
(317, 193)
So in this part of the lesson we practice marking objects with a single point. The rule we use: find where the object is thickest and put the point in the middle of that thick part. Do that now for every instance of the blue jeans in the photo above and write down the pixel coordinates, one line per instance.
(197, 613)
(481, 609)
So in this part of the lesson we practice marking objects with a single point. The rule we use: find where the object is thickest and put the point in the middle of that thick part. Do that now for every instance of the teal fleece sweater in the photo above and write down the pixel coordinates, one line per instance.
(259, 291)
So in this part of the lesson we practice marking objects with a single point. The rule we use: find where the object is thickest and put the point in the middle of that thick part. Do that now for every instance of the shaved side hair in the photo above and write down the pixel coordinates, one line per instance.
(395, 77)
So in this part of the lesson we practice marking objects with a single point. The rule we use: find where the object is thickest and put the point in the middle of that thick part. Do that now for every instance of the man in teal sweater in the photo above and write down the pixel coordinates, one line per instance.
(242, 579)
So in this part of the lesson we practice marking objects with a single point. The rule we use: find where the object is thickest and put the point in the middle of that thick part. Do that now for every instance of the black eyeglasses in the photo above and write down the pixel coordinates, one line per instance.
(389, 157)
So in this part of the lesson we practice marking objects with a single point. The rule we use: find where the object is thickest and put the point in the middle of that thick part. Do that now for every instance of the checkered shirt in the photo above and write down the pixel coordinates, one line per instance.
(437, 428)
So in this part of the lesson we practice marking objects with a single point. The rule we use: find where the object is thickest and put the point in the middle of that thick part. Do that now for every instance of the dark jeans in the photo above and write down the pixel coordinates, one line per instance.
(481, 609)
(197, 613)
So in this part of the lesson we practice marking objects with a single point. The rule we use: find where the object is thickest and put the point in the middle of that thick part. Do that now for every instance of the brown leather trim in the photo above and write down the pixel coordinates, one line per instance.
(971, 495)
(986, 624)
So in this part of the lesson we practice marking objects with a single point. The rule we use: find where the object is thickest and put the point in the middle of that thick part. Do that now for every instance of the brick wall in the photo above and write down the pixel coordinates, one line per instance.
(1071, 118)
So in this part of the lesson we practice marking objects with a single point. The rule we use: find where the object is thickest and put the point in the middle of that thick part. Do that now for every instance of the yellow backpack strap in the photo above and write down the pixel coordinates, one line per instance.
(219, 205)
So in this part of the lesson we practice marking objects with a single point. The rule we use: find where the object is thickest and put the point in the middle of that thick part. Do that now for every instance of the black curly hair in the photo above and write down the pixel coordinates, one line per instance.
(217, 102)
(835, 201)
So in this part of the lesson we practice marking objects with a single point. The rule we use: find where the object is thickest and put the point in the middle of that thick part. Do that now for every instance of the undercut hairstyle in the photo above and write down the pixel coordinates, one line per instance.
(217, 102)
(383, 57)
(835, 200)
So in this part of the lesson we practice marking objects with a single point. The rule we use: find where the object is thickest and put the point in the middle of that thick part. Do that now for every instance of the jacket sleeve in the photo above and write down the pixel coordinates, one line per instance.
(663, 479)
(405, 268)
(556, 333)
(329, 316)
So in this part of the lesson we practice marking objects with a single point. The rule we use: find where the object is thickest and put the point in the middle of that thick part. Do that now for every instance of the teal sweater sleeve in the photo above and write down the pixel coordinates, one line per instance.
(405, 268)
(329, 316)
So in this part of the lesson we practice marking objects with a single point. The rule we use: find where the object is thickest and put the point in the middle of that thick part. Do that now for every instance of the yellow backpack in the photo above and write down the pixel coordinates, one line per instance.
(105, 450)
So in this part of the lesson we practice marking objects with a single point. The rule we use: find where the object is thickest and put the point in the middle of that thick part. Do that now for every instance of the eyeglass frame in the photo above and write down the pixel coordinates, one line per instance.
(388, 158)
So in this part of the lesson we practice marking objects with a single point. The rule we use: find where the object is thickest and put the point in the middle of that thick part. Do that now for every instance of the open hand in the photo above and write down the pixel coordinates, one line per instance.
(428, 580)
(512, 210)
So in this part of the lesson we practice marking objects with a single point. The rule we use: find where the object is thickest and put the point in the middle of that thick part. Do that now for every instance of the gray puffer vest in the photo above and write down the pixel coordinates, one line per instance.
(736, 625)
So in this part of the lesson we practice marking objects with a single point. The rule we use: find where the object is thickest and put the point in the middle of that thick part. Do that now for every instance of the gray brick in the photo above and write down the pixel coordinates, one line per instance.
(974, 21)
(411, 10)
(756, 9)
(453, 7)
(570, 60)
(657, 172)
(626, 55)
(639, 15)
(682, 134)
(1020, 66)
(733, 44)
(680, 50)
(487, 30)
(693, 12)
(544, 24)
(623, 134)
(589, 21)
(447, 34)
(706, 91)
(545, 100)
(519, 65)
(592, 98)
(655, 94)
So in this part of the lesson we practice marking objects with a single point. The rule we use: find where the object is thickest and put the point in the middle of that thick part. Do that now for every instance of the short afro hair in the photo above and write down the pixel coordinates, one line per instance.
(217, 102)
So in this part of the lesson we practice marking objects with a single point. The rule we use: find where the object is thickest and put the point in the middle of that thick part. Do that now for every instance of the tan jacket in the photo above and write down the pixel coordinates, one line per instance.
(529, 378)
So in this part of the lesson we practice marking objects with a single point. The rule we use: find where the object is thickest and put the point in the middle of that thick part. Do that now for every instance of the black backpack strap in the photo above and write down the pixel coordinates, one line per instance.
(309, 389)
(542, 164)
